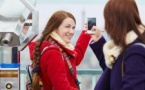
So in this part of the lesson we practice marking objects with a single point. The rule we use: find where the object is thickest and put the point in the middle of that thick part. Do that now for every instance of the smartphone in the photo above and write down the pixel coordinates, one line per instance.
(91, 22)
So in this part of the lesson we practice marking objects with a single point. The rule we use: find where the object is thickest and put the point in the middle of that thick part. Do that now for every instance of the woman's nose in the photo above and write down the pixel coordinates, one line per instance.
(71, 30)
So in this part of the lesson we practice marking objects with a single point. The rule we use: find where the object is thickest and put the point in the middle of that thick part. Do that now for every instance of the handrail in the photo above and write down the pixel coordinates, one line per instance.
(89, 71)
(81, 72)
(93, 73)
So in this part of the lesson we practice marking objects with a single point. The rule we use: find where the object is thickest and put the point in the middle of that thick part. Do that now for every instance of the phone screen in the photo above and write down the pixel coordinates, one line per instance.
(91, 22)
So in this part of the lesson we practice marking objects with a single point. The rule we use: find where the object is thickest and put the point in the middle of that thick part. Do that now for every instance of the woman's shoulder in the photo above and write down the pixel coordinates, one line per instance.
(47, 46)
(136, 48)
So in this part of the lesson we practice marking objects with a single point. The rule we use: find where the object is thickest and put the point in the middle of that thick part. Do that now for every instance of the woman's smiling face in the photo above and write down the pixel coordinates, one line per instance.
(66, 29)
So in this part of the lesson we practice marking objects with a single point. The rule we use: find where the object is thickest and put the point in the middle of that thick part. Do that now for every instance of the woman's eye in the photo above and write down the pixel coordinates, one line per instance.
(73, 27)
(67, 26)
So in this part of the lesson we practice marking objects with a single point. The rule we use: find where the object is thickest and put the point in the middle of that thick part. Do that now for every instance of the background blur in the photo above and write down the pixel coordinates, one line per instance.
(81, 9)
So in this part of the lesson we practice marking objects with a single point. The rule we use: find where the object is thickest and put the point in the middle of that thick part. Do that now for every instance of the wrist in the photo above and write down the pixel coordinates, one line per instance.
(95, 39)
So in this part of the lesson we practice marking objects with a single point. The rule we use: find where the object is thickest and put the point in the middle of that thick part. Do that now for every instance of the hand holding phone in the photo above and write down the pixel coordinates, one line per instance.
(91, 22)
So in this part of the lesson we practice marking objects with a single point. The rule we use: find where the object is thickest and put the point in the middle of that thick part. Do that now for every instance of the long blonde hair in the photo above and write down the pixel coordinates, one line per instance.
(53, 23)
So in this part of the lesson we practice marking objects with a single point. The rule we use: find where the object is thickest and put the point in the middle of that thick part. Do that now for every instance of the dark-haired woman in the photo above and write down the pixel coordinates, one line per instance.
(123, 57)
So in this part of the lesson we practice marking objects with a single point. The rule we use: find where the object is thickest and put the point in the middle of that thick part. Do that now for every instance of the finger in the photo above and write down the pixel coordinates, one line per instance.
(102, 30)
(85, 26)
(94, 28)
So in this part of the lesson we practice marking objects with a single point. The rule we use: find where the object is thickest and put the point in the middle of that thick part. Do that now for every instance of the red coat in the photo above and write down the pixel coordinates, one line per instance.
(54, 70)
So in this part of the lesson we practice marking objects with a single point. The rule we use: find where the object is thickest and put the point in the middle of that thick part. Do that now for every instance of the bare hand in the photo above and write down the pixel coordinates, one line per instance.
(96, 33)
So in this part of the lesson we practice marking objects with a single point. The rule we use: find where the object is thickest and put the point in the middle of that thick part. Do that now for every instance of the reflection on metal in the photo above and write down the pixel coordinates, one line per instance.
(7, 39)
(18, 26)
(0, 37)
(13, 42)
(2, 18)
(18, 22)
(28, 22)
(9, 79)
(28, 4)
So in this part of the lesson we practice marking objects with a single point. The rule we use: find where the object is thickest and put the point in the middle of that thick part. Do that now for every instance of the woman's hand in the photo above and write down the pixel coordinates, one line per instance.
(96, 35)
(95, 32)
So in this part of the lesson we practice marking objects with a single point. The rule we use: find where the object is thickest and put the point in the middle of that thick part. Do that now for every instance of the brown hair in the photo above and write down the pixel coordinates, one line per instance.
(53, 23)
(121, 16)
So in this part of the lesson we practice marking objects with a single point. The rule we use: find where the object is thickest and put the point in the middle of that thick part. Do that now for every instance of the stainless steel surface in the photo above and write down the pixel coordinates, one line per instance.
(20, 19)
(18, 26)
(9, 79)
(6, 53)
(0, 37)
(6, 39)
